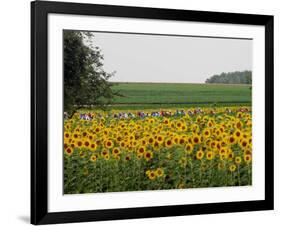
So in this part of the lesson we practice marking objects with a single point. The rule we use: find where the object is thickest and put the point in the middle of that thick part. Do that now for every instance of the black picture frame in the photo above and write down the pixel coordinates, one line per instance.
(39, 115)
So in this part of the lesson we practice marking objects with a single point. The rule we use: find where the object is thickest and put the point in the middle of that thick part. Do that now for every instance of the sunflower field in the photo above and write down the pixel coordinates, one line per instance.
(212, 148)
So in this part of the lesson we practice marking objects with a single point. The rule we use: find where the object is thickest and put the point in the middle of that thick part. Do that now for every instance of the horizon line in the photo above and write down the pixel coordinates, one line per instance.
(192, 83)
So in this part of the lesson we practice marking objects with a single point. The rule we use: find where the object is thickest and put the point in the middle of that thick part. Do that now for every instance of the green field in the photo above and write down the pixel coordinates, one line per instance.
(145, 95)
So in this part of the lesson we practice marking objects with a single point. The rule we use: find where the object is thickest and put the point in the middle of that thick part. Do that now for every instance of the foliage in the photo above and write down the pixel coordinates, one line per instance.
(237, 77)
(209, 149)
(85, 81)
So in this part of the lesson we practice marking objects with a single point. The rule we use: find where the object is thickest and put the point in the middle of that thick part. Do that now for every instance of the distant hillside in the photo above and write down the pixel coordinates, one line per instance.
(236, 77)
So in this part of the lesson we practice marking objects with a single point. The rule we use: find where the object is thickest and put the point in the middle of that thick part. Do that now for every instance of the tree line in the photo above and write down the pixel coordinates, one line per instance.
(236, 77)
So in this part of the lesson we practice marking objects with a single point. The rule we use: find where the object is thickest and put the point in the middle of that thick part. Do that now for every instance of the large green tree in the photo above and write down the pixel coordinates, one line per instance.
(85, 81)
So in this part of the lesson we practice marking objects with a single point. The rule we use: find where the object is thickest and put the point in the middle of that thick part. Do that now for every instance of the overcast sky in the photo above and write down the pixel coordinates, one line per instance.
(154, 58)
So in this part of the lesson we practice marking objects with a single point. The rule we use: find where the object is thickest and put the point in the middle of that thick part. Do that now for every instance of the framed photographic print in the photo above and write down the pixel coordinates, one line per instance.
(144, 112)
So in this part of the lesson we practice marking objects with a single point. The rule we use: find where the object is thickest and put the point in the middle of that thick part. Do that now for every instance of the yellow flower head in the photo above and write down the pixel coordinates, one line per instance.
(210, 155)
(199, 154)
(108, 143)
(93, 158)
(247, 158)
(238, 160)
(232, 168)
(151, 174)
(188, 148)
(148, 155)
(159, 172)
(68, 151)
(168, 143)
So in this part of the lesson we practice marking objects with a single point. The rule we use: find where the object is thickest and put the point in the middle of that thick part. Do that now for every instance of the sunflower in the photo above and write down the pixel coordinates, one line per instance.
(117, 157)
(210, 123)
(176, 139)
(243, 143)
(232, 168)
(139, 156)
(141, 150)
(93, 146)
(182, 140)
(134, 143)
(97, 129)
(119, 138)
(232, 139)
(69, 151)
(148, 155)
(188, 148)
(166, 121)
(79, 143)
(199, 154)
(239, 115)
(222, 151)
(213, 144)
(116, 151)
(127, 157)
(66, 135)
(75, 135)
(247, 158)
(196, 139)
(84, 134)
(230, 154)
(206, 133)
(156, 145)
(218, 132)
(194, 128)
(210, 155)
(106, 157)
(159, 172)
(221, 128)
(91, 137)
(143, 142)
(237, 134)
(122, 144)
(237, 160)
(218, 145)
(238, 124)
(93, 158)
(86, 143)
(108, 144)
(104, 153)
(168, 143)
(184, 128)
(151, 121)
(223, 143)
(249, 123)
(179, 125)
(82, 154)
(223, 157)
(150, 140)
(152, 175)
(131, 137)
(160, 139)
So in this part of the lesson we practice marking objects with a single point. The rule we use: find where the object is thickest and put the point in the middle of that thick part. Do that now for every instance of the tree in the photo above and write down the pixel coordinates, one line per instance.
(85, 81)
(236, 77)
